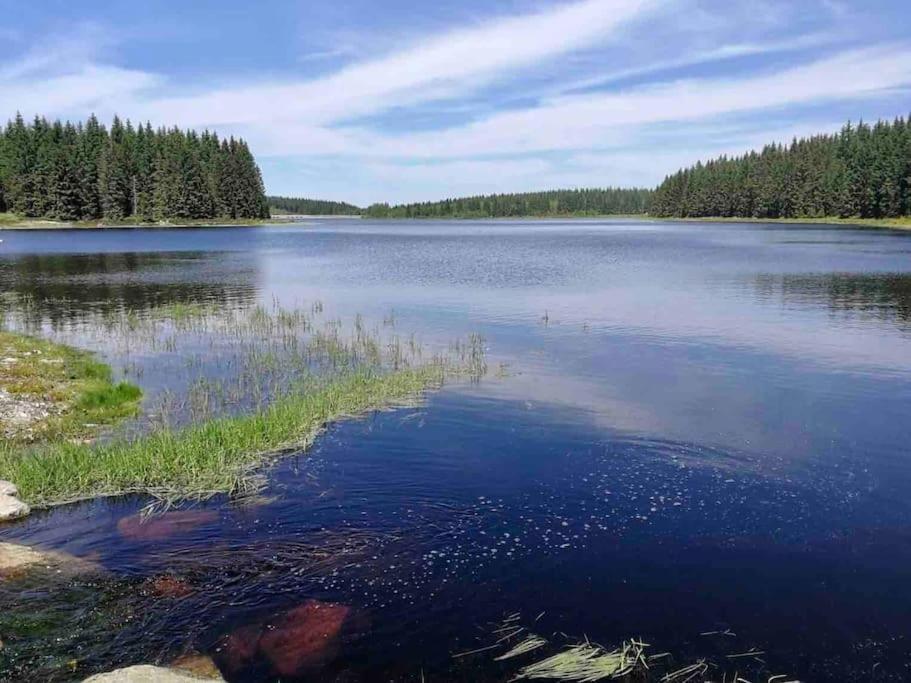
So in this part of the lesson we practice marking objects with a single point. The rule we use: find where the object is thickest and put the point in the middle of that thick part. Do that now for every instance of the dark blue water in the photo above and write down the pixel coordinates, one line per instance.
(699, 428)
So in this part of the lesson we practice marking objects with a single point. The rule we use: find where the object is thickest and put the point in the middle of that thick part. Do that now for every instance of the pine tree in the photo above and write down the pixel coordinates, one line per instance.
(69, 172)
(862, 171)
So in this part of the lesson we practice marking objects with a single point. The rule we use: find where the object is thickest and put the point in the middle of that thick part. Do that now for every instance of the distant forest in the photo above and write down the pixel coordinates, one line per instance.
(863, 171)
(312, 207)
(590, 202)
(86, 171)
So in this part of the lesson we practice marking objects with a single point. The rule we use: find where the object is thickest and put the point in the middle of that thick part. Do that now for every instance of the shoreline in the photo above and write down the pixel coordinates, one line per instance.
(903, 223)
(45, 224)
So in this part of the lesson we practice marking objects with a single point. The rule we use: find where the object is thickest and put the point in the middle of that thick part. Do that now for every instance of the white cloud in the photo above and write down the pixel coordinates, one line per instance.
(608, 119)
(454, 63)
(706, 56)
(89, 89)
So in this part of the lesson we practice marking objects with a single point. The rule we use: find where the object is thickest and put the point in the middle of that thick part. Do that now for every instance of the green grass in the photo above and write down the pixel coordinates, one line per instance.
(108, 397)
(74, 383)
(218, 456)
(8, 219)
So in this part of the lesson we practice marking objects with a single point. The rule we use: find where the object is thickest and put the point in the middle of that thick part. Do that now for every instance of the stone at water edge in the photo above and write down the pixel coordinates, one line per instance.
(197, 665)
(12, 508)
(145, 673)
(16, 559)
(8, 488)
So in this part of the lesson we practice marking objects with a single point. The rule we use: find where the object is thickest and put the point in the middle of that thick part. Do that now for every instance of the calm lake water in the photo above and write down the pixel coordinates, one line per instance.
(693, 429)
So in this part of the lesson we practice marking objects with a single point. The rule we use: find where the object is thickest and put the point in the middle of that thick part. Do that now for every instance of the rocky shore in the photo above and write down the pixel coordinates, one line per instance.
(20, 415)
(10, 505)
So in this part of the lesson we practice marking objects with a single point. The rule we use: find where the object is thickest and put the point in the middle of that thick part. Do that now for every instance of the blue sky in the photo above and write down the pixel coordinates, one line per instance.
(402, 101)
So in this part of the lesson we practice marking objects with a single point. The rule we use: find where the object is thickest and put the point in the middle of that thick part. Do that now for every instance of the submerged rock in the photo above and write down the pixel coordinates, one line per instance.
(164, 526)
(145, 673)
(299, 641)
(306, 638)
(240, 648)
(16, 559)
(12, 508)
(167, 586)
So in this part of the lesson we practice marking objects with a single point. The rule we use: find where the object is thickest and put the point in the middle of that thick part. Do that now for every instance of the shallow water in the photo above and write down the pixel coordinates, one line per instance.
(699, 428)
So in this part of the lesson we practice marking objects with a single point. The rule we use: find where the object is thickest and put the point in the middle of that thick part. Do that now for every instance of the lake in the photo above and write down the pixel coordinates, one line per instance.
(694, 434)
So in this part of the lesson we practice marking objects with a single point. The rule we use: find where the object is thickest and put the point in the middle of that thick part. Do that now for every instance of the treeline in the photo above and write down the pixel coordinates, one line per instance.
(86, 171)
(863, 171)
(312, 207)
(587, 202)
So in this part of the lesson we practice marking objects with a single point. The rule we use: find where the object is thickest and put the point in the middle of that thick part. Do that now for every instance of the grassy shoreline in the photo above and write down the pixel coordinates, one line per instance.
(214, 457)
(289, 380)
(55, 392)
(15, 222)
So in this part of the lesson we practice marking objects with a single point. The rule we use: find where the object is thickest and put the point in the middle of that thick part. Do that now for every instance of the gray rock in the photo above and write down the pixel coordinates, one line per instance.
(12, 508)
(144, 674)
(8, 488)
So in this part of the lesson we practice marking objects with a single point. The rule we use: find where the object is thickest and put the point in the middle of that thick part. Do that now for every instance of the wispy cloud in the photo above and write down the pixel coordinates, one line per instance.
(445, 66)
(65, 75)
(87, 89)
(603, 119)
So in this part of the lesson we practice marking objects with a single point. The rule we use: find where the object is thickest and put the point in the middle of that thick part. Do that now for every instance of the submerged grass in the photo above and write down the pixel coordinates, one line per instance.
(199, 461)
(242, 384)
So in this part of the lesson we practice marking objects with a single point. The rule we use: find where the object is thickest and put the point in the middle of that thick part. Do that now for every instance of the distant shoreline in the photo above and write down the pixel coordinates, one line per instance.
(11, 222)
(892, 223)
(7, 223)
(45, 224)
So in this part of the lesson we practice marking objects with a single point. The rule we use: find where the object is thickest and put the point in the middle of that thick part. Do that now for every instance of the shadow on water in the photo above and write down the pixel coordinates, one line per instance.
(55, 289)
(884, 295)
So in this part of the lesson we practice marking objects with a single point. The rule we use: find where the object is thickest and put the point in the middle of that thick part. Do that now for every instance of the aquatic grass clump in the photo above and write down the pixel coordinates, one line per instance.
(199, 461)
(587, 662)
(529, 644)
(109, 396)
